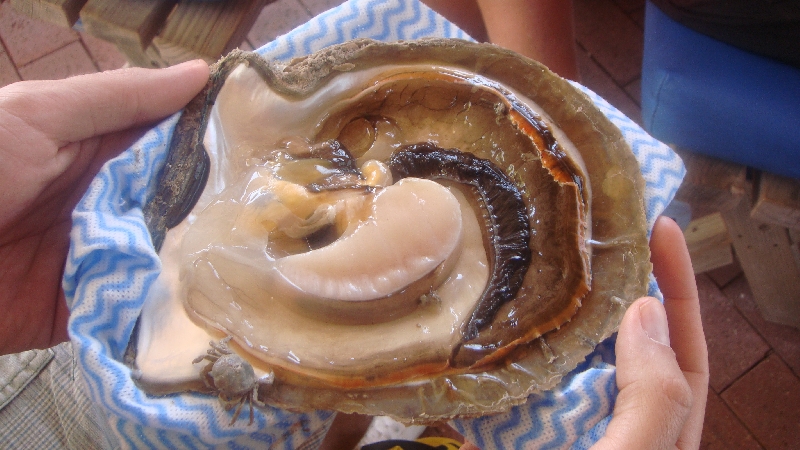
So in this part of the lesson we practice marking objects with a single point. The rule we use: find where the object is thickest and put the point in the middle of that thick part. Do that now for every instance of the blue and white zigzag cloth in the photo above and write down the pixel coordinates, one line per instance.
(111, 264)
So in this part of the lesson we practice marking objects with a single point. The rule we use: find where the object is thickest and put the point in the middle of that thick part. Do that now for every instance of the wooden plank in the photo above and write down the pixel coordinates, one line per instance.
(709, 243)
(60, 12)
(778, 201)
(130, 24)
(768, 260)
(712, 258)
(711, 185)
(206, 30)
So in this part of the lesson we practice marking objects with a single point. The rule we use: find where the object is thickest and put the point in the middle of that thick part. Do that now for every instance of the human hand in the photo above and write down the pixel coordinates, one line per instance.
(662, 359)
(54, 137)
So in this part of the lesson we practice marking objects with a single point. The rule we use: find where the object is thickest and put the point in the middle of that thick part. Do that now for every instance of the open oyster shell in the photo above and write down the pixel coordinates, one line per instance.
(497, 278)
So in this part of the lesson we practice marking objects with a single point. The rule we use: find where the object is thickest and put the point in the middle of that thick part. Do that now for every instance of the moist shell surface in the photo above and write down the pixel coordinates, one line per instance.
(538, 347)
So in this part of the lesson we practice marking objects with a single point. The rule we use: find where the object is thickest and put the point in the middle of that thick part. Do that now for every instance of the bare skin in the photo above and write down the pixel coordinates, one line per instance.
(543, 30)
(346, 431)
(54, 137)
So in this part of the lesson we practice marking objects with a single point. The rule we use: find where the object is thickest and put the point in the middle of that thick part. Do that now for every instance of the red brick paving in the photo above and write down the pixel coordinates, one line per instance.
(734, 347)
(276, 19)
(318, 6)
(67, 61)
(26, 39)
(767, 400)
(754, 401)
(601, 82)
(612, 38)
(722, 430)
(103, 53)
(784, 340)
(724, 275)
(8, 72)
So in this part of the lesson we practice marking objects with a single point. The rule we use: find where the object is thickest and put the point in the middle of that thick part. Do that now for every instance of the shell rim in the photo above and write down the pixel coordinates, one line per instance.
(301, 77)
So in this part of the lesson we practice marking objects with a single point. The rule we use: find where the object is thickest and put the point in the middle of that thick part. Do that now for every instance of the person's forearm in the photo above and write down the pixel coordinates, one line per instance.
(540, 29)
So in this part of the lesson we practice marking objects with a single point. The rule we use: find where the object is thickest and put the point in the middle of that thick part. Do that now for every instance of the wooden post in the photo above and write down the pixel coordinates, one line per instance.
(711, 185)
(228, 22)
(768, 259)
(709, 243)
(130, 24)
(60, 12)
(778, 201)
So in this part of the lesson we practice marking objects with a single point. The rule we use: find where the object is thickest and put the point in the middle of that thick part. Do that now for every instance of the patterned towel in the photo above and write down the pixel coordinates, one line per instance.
(111, 264)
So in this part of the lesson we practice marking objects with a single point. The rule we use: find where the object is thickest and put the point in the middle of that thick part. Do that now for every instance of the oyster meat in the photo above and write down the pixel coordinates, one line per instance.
(427, 230)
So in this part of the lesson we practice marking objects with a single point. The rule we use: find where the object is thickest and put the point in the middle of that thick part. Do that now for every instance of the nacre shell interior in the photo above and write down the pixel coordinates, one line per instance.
(242, 165)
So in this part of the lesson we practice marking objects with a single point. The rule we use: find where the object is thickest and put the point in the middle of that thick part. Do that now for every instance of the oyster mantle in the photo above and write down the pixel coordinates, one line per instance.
(575, 174)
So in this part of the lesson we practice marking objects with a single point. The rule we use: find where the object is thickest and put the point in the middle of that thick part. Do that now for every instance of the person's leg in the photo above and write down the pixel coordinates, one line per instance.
(543, 30)
(346, 431)
(463, 13)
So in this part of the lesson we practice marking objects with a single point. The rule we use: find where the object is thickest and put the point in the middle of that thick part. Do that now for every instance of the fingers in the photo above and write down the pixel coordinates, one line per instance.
(662, 396)
(671, 264)
(80, 107)
(673, 271)
(655, 399)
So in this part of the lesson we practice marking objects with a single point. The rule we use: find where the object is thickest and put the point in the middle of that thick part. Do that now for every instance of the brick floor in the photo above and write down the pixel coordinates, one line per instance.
(318, 6)
(734, 346)
(722, 430)
(276, 19)
(784, 340)
(766, 399)
(612, 38)
(26, 39)
(755, 389)
(104, 54)
(8, 72)
(72, 59)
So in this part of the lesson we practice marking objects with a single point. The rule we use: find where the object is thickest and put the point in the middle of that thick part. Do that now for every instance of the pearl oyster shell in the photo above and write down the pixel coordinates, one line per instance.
(580, 184)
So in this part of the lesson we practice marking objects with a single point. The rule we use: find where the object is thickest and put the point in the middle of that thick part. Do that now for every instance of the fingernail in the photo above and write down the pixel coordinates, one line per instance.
(654, 321)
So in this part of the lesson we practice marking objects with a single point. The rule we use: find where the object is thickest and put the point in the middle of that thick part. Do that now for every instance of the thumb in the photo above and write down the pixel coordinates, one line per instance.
(654, 398)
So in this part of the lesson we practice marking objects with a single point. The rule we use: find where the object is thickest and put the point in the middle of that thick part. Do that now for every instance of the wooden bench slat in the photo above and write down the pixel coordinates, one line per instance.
(60, 12)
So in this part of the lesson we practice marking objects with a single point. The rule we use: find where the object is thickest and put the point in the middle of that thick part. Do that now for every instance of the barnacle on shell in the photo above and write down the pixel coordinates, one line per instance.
(425, 229)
